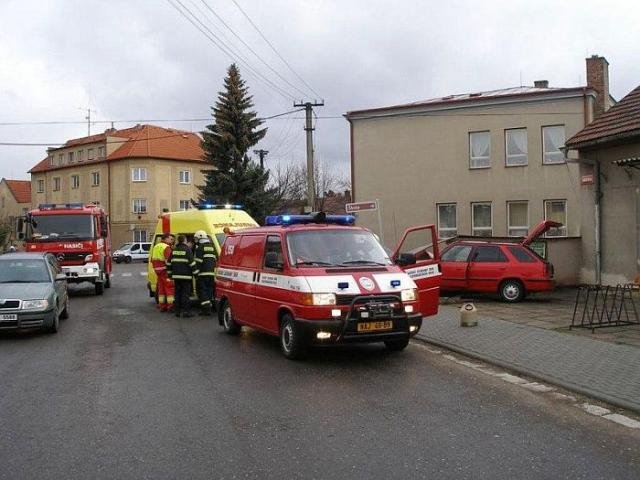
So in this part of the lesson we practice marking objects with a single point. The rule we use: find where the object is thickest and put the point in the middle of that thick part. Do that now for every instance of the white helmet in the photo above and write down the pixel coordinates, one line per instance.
(200, 235)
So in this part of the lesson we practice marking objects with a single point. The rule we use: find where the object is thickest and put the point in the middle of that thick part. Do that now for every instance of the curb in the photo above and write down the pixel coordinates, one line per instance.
(618, 402)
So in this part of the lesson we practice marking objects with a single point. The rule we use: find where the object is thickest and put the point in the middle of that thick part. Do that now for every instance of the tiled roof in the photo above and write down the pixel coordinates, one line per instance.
(141, 141)
(491, 95)
(621, 120)
(20, 189)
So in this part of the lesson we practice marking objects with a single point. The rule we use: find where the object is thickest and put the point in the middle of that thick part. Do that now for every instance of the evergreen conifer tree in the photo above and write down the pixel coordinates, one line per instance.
(236, 178)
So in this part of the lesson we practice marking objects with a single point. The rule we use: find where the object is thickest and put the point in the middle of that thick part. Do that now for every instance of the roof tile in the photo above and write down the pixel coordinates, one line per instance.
(20, 189)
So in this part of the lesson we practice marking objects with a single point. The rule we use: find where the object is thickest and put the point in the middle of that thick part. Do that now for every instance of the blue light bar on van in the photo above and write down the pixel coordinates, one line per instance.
(312, 218)
(214, 206)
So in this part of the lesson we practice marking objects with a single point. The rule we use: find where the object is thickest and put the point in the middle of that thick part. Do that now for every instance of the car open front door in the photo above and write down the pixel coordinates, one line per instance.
(418, 255)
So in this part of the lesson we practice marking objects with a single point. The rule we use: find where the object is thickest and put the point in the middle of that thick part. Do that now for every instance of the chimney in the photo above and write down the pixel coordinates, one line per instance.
(598, 79)
(541, 84)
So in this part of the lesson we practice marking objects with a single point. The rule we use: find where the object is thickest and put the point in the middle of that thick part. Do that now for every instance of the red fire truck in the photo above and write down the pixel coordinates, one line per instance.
(77, 234)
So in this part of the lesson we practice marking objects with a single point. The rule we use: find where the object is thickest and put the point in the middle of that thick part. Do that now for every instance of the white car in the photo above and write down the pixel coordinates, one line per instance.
(130, 252)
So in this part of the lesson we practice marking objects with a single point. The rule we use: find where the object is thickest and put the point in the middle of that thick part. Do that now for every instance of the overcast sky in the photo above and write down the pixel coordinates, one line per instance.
(140, 59)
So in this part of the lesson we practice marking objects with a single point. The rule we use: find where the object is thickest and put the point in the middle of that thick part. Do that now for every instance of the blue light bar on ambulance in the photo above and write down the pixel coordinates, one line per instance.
(312, 218)
(52, 206)
(213, 206)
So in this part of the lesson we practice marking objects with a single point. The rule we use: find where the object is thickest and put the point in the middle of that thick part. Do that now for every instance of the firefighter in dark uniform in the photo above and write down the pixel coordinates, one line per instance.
(205, 258)
(180, 268)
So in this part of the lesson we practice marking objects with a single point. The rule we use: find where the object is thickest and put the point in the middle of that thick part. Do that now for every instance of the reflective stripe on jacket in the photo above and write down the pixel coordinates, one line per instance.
(180, 265)
(205, 259)
(159, 258)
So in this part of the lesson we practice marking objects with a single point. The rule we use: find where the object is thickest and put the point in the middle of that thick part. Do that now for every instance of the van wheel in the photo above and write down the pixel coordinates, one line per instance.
(228, 323)
(291, 341)
(127, 259)
(511, 291)
(397, 345)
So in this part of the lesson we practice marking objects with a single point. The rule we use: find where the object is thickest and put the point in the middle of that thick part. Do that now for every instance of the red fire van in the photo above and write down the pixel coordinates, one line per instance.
(318, 279)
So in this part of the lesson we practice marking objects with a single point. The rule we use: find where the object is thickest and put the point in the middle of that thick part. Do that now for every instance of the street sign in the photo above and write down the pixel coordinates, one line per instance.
(361, 206)
(586, 179)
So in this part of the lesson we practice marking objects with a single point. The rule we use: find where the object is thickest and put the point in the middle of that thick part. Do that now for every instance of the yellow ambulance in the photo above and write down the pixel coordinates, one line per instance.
(213, 219)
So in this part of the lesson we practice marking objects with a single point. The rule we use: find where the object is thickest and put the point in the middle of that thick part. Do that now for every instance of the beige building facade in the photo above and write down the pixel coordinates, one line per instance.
(481, 164)
(134, 174)
(15, 201)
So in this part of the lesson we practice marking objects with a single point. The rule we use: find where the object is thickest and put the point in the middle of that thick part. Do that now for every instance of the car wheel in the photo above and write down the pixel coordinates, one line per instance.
(53, 328)
(228, 323)
(65, 313)
(99, 288)
(511, 291)
(291, 341)
(397, 345)
(127, 259)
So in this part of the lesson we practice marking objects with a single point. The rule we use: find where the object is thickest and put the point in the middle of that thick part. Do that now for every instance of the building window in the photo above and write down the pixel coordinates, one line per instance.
(60, 159)
(80, 155)
(517, 219)
(100, 152)
(51, 160)
(139, 174)
(552, 141)
(184, 204)
(139, 205)
(95, 179)
(185, 176)
(447, 220)
(479, 150)
(140, 236)
(556, 210)
(56, 184)
(75, 181)
(516, 147)
(481, 219)
(40, 186)
(70, 154)
(90, 154)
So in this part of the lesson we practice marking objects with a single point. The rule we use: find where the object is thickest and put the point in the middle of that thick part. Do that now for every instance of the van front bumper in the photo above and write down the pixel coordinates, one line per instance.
(89, 272)
(341, 332)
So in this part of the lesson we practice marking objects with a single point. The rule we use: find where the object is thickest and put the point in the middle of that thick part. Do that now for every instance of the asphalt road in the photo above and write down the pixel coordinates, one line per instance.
(125, 392)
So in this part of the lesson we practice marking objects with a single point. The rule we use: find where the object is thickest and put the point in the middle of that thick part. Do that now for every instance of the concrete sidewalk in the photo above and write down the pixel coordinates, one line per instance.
(598, 369)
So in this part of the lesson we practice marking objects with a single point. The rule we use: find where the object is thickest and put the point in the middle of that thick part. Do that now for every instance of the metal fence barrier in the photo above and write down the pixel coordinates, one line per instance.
(600, 306)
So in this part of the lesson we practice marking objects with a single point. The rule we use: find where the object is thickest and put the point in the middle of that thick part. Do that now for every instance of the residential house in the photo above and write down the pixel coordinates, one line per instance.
(134, 173)
(608, 154)
(15, 200)
(484, 163)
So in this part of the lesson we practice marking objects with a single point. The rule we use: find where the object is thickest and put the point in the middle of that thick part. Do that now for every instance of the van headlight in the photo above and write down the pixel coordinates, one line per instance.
(409, 295)
(319, 299)
(35, 304)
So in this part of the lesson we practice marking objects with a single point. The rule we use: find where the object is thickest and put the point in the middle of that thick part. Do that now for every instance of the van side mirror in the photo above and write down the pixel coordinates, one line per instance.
(405, 259)
(271, 261)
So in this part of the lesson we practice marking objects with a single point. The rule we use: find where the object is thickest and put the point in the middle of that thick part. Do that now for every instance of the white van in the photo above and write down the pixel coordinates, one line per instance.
(130, 252)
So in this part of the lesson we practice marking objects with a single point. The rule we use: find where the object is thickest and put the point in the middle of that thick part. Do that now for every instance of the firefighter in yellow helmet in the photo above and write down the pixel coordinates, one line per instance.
(205, 258)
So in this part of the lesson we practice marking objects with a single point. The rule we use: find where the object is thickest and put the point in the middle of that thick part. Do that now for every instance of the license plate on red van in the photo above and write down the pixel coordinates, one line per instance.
(374, 326)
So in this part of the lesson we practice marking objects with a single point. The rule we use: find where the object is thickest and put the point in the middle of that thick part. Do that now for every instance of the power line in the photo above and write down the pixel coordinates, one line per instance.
(213, 38)
(252, 50)
(274, 49)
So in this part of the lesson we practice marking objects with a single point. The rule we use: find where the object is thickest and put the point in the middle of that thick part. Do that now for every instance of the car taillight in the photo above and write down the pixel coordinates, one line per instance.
(88, 258)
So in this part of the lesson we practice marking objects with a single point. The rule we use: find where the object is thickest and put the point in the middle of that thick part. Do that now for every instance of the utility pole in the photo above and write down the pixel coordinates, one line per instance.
(261, 153)
(88, 119)
(311, 188)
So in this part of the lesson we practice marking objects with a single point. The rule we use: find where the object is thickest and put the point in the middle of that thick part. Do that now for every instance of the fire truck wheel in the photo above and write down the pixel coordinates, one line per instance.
(228, 323)
(99, 288)
(107, 282)
(291, 341)
(65, 312)
(397, 345)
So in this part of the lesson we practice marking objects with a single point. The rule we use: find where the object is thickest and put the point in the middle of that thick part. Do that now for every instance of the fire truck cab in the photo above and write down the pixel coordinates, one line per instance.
(318, 279)
(77, 234)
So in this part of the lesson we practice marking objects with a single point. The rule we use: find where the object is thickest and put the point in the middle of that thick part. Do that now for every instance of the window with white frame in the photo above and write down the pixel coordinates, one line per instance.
(552, 141)
(139, 174)
(90, 154)
(40, 186)
(184, 204)
(481, 219)
(185, 176)
(70, 154)
(95, 179)
(479, 150)
(80, 155)
(56, 184)
(516, 147)
(517, 219)
(139, 205)
(140, 235)
(75, 181)
(447, 220)
(556, 210)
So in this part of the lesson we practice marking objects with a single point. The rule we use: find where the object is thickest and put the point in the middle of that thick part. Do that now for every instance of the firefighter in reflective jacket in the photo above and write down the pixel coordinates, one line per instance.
(164, 287)
(180, 267)
(205, 258)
